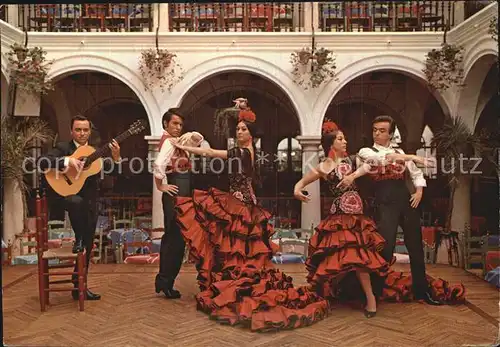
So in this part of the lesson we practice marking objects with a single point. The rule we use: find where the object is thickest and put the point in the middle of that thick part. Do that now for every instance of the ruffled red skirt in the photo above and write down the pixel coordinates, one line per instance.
(230, 243)
(346, 243)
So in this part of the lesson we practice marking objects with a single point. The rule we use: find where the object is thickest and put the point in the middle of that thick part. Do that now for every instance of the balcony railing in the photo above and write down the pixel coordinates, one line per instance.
(281, 16)
(397, 15)
(86, 17)
(386, 15)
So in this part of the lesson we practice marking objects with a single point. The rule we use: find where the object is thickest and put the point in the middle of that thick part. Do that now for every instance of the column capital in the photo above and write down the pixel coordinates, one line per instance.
(153, 142)
(309, 143)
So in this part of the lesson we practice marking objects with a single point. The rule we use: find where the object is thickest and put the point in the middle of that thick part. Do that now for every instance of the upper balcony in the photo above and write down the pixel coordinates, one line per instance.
(333, 16)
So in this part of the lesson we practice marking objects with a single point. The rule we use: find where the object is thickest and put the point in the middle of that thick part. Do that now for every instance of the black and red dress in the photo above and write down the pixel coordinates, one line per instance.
(229, 237)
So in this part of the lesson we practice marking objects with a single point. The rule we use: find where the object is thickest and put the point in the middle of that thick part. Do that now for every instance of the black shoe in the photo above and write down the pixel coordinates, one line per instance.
(370, 314)
(166, 286)
(429, 300)
(172, 293)
(88, 295)
(77, 247)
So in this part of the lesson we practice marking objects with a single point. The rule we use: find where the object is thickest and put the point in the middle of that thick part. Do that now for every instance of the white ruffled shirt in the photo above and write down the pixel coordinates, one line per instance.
(191, 139)
(417, 176)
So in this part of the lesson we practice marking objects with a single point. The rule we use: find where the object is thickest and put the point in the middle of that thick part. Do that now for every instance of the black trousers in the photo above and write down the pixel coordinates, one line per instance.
(83, 216)
(172, 241)
(389, 215)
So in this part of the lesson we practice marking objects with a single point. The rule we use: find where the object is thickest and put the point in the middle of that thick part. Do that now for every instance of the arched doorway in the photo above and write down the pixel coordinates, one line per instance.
(485, 185)
(112, 107)
(385, 92)
(276, 119)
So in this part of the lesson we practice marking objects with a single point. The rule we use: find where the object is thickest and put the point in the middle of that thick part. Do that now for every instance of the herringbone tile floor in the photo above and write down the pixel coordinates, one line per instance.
(131, 314)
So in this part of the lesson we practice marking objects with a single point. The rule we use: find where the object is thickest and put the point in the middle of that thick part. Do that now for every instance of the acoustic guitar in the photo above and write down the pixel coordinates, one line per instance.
(70, 181)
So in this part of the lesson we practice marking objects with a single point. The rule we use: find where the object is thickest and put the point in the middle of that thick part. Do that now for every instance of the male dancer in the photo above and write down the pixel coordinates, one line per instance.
(394, 201)
(81, 207)
(177, 174)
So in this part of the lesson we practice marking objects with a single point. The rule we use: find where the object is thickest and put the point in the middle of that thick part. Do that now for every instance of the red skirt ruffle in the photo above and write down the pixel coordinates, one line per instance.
(230, 243)
(346, 243)
(343, 243)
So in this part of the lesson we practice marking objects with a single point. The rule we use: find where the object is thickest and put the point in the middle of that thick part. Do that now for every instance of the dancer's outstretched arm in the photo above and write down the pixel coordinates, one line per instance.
(213, 153)
(411, 157)
(315, 173)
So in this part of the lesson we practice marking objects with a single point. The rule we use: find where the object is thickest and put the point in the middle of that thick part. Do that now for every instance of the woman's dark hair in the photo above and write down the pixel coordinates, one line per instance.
(327, 140)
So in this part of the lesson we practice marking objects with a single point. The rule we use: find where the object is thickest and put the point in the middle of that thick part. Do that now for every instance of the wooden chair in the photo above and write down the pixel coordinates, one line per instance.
(122, 223)
(63, 254)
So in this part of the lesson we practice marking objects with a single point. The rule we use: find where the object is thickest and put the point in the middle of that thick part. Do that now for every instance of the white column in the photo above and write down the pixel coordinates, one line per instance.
(157, 218)
(311, 211)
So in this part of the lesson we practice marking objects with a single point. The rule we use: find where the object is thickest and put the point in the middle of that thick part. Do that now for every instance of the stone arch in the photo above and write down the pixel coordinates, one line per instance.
(411, 67)
(5, 69)
(467, 100)
(245, 63)
(485, 46)
(383, 107)
(78, 63)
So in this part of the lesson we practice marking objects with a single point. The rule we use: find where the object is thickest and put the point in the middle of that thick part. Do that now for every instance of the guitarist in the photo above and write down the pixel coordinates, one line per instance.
(81, 207)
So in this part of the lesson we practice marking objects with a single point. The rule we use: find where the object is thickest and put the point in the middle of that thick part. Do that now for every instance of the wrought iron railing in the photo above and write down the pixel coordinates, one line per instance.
(386, 15)
(206, 17)
(86, 17)
(397, 15)
(3, 13)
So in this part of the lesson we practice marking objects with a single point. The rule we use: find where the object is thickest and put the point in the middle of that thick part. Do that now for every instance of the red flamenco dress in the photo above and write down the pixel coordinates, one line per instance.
(347, 241)
(229, 237)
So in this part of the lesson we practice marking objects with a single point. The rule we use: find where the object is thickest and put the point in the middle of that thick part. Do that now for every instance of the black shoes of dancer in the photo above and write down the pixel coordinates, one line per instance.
(427, 298)
(167, 287)
(370, 314)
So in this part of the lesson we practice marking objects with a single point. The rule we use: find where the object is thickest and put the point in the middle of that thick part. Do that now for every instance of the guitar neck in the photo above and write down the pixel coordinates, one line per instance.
(104, 149)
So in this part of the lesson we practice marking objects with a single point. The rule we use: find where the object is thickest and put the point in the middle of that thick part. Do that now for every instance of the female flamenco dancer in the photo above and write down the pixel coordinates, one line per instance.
(346, 242)
(229, 237)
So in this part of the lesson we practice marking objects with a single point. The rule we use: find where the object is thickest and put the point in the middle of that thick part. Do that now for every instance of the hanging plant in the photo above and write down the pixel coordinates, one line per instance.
(29, 69)
(443, 67)
(310, 70)
(158, 67)
(493, 30)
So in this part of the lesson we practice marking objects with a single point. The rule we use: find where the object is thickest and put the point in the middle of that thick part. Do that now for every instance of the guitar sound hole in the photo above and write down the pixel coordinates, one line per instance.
(86, 163)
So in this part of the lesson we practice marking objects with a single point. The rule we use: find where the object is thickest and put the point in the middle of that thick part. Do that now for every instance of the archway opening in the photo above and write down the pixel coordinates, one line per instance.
(485, 184)
(384, 92)
(277, 119)
(112, 107)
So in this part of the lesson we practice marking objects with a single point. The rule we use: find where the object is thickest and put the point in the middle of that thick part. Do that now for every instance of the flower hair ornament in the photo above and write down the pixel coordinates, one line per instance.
(239, 112)
(328, 127)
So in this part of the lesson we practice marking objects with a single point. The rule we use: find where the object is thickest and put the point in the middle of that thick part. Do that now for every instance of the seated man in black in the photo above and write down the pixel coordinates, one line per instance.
(81, 207)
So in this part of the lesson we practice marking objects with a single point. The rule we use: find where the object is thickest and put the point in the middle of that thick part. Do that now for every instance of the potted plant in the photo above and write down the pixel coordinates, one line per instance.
(454, 143)
(443, 67)
(159, 67)
(321, 63)
(18, 136)
(29, 69)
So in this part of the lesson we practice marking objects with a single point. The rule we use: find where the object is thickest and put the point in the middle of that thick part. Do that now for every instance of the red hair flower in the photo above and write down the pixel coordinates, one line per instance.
(247, 116)
(329, 127)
